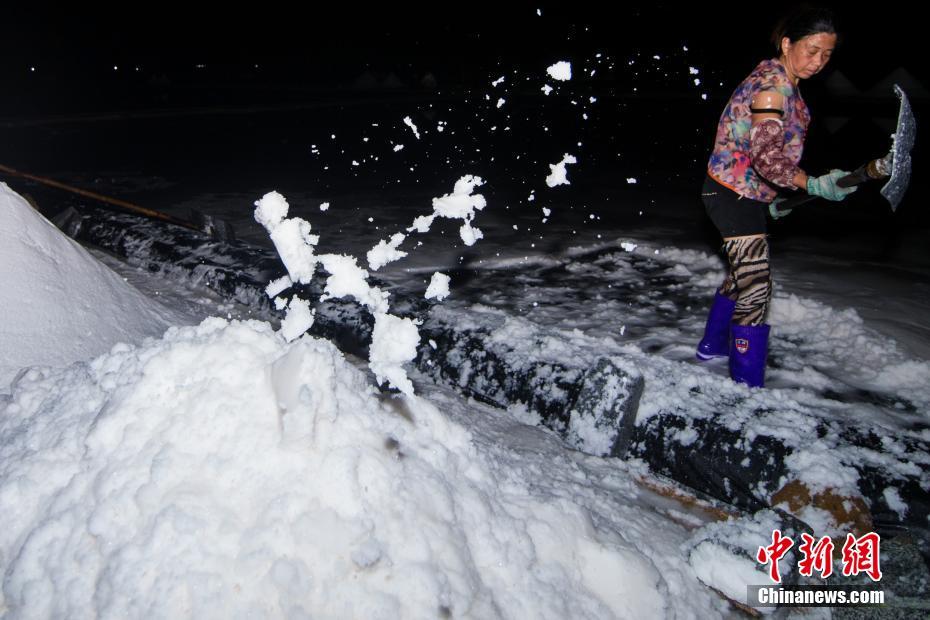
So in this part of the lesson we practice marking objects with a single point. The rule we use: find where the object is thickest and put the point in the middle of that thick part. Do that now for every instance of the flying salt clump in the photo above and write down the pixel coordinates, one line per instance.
(276, 287)
(561, 71)
(559, 175)
(386, 252)
(394, 340)
(291, 237)
(438, 287)
(460, 204)
(409, 123)
(347, 279)
(298, 320)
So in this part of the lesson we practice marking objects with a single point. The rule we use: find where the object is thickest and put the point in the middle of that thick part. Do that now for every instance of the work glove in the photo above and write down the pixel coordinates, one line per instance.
(773, 209)
(825, 186)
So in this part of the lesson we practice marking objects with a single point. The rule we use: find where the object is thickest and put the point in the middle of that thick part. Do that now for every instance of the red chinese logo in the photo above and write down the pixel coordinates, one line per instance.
(817, 557)
(774, 552)
(860, 555)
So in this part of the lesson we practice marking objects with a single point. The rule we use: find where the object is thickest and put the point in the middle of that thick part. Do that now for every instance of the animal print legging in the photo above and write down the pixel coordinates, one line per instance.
(749, 281)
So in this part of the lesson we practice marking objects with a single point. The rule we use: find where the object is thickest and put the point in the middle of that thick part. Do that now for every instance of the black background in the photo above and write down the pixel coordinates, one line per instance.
(262, 54)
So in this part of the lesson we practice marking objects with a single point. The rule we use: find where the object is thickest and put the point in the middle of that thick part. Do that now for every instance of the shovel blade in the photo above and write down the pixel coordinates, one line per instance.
(904, 136)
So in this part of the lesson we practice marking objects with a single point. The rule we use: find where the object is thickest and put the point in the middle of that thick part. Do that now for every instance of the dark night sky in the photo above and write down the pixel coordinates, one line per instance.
(318, 50)
(325, 43)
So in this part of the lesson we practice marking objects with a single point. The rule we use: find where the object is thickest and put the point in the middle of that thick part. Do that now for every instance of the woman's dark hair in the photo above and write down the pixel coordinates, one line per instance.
(803, 22)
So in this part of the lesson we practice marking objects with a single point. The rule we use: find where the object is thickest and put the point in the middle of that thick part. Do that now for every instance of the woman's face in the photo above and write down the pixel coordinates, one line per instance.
(806, 57)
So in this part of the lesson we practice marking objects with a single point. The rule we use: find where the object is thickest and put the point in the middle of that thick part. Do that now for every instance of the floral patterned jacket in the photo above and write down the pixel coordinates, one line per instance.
(754, 163)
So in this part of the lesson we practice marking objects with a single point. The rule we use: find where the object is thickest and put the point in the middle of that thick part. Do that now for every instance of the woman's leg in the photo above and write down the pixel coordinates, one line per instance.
(749, 269)
(749, 280)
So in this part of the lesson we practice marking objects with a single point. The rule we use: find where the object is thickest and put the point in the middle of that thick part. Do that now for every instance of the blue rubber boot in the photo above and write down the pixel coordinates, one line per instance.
(716, 340)
(749, 349)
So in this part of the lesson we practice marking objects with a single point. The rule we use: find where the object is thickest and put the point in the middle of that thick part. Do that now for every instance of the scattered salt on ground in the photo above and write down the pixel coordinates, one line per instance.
(230, 470)
(224, 471)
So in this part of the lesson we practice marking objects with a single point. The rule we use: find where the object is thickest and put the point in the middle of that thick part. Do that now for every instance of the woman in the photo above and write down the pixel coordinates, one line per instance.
(760, 139)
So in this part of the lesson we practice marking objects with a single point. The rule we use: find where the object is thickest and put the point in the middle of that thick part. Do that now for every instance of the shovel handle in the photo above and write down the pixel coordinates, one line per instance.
(868, 172)
(95, 196)
(215, 227)
(857, 176)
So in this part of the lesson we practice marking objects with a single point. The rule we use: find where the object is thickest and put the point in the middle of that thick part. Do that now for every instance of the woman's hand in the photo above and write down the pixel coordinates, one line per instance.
(825, 186)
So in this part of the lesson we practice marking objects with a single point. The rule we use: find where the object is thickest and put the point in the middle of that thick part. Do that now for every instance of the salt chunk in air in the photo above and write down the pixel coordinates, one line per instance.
(461, 203)
(561, 71)
(386, 252)
(271, 210)
(470, 234)
(409, 123)
(347, 279)
(546, 89)
(438, 287)
(559, 175)
(295, 245)
(276, 287)
(298, 320)
(324, 206)
(394, 341)
(422, 223)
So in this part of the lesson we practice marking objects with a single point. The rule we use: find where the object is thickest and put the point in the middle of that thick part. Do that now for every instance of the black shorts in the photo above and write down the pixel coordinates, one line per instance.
(733, 215)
